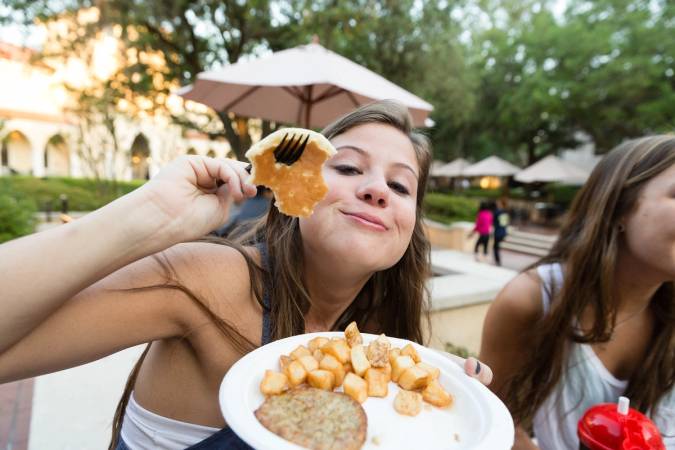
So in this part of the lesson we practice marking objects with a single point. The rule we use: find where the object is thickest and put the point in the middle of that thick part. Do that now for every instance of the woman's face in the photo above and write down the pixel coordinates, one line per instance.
(650, 228)
(368, 215)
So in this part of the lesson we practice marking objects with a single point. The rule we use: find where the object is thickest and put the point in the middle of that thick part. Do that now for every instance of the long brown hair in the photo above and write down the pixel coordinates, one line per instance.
(394, 299)
(587, 247)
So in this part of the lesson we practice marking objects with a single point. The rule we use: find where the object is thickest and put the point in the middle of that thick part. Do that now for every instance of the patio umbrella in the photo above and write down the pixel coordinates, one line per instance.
(306, 85)
(552, 169)
(492, 166)
(451, 169)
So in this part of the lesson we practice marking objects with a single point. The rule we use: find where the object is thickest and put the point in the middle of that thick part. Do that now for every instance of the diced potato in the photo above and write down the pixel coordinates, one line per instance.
(435, 372)
(436, 395)
(296, 373)
(410, 351)
(359, 360)
(348, 368)
(318, 355)
(339, 349)
(377, 382)
(329, 362)
(394, 353)
(353, 335)
(386, 370)
(414, 378)
(317, 342)
(321, 379)
(284, 361)
(308, 362)
(299, 352)
(408, 402)
(378, 352)
(400, 364)
(356, 387)
(273, 383)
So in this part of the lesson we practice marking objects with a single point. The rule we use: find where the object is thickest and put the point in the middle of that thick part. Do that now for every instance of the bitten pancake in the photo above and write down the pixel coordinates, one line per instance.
(299, 187)
(315, 419)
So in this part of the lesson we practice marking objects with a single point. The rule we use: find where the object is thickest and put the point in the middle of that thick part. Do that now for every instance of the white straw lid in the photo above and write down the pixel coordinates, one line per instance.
(623, 405)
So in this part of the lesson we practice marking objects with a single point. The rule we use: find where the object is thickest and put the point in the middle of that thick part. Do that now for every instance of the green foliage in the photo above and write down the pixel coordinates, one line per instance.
(83, 194)
(522, 81)
(458, 350)
(605, 68)
(449, 208)
(17, 214)
(562, 194)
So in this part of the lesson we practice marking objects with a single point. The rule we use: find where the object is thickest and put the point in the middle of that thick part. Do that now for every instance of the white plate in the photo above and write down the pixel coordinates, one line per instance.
(478, 419)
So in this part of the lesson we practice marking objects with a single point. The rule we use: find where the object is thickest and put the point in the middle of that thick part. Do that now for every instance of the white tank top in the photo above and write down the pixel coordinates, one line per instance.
(585, 383)
(145, 430)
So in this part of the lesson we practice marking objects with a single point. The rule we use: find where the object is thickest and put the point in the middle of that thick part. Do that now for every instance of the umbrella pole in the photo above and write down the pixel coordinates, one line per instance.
(308, 106)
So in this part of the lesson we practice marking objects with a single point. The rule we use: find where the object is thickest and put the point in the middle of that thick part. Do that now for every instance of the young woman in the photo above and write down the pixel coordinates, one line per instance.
(482, 226)
(75, 294)
(594, 319)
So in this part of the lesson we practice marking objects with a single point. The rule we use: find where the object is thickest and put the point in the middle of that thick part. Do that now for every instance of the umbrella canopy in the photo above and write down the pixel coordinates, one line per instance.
(306, 85)
(552, 169)
(451, 169)
(492, 166)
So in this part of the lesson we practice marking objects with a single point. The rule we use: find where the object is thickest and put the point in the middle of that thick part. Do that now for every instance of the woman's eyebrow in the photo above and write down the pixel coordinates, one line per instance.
(367, 155)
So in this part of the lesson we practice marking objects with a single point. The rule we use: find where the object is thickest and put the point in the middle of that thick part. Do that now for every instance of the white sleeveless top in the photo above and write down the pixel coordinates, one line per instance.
(585, 383)
(145, 430)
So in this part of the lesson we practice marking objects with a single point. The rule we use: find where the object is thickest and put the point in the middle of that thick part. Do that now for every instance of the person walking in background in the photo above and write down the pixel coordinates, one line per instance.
(595, 318)
(482, 227)
(501, 221)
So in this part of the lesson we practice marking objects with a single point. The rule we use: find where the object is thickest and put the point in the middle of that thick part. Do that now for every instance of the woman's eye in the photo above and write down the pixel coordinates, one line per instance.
(398, 187)
(347, 170)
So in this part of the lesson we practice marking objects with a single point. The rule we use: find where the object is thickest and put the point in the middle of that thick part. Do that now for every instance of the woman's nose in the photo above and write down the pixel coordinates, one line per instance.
(375, 192)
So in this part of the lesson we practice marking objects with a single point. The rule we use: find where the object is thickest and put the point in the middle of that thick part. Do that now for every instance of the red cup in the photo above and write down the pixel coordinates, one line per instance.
(609, 426)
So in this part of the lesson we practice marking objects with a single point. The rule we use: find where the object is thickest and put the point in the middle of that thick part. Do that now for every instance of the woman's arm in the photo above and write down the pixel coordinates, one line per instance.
(41, 272)
(504, 345)
(119, 311)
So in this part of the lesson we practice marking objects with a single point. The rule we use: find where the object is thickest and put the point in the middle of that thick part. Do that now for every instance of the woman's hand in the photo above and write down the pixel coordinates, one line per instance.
(185, 196)
(472, 367)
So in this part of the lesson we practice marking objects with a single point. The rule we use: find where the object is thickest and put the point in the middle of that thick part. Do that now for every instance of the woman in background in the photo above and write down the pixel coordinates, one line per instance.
(595, 319)
(483, 227)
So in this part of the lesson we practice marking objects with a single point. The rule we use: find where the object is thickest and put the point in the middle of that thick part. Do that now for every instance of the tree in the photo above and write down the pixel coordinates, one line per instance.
(604, 68)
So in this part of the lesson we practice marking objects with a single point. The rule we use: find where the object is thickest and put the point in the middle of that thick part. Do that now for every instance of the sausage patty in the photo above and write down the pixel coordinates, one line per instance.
(315, 419)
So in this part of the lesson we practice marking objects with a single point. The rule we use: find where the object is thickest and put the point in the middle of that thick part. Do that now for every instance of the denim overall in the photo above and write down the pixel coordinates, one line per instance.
(225, 439)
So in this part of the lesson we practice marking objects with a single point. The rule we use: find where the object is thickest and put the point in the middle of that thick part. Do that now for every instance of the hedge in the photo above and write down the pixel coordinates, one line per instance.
(17, 214)
(83, 194)
(450, 208)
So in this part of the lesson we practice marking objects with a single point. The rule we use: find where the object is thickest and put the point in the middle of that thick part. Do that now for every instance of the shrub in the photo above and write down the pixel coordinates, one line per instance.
(17, 214)
(450, 208)
(83, 194)
(563, 194)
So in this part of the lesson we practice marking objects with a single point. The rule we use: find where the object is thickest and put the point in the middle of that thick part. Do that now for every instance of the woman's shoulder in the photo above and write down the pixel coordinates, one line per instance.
(521, 297)
(212, 270)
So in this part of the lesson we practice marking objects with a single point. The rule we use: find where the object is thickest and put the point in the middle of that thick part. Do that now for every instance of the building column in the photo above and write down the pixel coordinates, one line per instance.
(38, 148)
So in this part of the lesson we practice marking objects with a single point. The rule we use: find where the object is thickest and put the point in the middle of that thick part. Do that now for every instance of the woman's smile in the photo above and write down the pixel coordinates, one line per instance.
(366, 220)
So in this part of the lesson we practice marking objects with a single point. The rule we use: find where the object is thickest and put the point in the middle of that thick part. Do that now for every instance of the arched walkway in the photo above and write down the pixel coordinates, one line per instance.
(16, 153)
(57, 157)
(140, 158)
